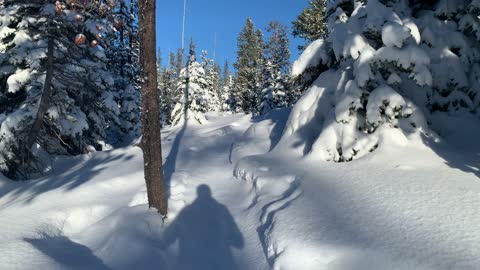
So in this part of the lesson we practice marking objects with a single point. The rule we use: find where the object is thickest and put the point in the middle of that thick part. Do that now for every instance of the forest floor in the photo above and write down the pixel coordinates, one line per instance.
(233, 205)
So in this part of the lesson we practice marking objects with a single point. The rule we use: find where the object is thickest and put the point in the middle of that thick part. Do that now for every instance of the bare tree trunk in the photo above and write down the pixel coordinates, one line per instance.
(151, 139)
(44, 102)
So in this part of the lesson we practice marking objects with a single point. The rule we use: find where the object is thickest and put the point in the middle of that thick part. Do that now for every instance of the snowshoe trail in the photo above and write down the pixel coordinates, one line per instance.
(271, 192)
(202, 162)
(177, 199)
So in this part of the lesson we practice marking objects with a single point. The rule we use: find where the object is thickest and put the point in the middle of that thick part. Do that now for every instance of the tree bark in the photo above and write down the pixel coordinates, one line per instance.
(44, 102)
(151, 139)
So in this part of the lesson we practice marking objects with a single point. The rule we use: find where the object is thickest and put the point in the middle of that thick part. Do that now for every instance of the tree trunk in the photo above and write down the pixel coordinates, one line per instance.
(151, 139)
(44, 103)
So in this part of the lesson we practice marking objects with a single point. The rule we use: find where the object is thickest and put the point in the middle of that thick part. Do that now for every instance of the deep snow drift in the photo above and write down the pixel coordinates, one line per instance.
(405, 206)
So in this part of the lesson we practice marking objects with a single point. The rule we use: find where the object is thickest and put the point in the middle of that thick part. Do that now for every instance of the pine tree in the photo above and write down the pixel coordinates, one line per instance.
(174, 75)
(379, 73)
(179, 63)
(124, 64)
(159, 59)
(172, 65)
(212, 81)
(55, 85)
(277, 47)
(193, 88)
(268, 91)
(168, 90)
(217, 85)
(162, 80)
(454, 61)
(229, 103)
(275, 69)
(166, 87)
(248, 80)
(310, 25)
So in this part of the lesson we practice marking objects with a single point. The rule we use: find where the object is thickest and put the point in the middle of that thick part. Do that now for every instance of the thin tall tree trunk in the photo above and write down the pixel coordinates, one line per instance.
(151, 140)
(44, 102)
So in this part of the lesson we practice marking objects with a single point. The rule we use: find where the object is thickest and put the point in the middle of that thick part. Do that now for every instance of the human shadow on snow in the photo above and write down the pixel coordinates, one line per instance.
(205, 231)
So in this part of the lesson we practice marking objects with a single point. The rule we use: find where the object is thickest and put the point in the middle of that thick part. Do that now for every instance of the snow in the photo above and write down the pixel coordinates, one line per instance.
(394, 79)
(413, 205)
(73, 123)
(352, 95)
(396, 107)
(314, 54)
(406, 57)
(21, 37)
(6, 31)
(386, 99)
(394, 34)
(18, 80)
(92, 213)
(406, 206)
(448, 69)
(354, 45)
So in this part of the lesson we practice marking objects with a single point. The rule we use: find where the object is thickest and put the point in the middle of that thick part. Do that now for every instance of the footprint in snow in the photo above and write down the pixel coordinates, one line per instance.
(178, 187)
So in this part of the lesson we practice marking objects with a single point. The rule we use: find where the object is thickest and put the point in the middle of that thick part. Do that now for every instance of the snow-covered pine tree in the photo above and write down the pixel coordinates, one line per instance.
(124, 65)
(192, 87)
(450, 34)
(169, 79)
(276, 68)
(56, 89)
(174, 72)
(277, 47)
(229, 103)
(159, 71)
(167, 86)
(377, 82)
(161, 84)
(269, 89)
(310, 25)
(248, 77)
(172, 63)
(217, 84)
(212, 80)
(179, 62)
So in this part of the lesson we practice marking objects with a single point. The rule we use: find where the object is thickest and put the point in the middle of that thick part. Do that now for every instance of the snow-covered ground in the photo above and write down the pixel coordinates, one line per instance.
(406, 206)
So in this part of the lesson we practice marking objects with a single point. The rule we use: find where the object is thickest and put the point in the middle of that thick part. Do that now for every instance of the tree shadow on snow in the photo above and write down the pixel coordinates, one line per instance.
(279, 118)
(467, 161)
(170, 164)
(367, 229)
(205, 231)
(69, 179)
(65, 252)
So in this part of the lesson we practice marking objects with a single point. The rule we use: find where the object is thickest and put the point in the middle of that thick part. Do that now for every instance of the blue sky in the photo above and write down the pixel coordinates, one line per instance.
(226, 18)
